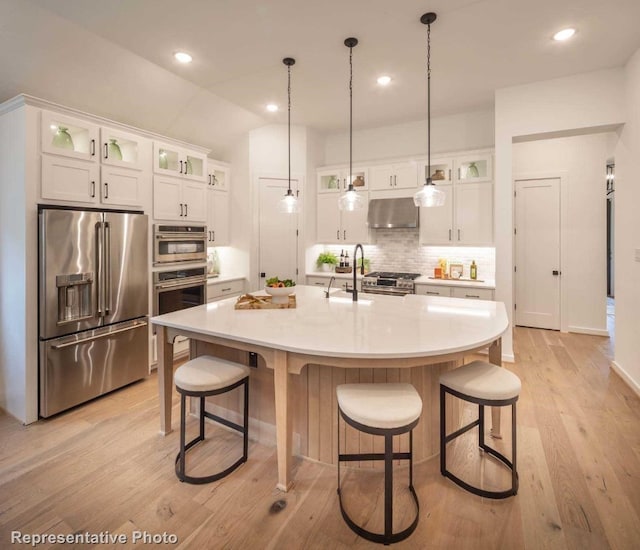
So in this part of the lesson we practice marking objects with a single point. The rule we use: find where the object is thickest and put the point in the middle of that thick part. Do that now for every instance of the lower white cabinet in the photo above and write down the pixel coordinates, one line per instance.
(224, 289)
(341, 283)
(433, 290)
(472, 293)
(178, 200)
(454, 291)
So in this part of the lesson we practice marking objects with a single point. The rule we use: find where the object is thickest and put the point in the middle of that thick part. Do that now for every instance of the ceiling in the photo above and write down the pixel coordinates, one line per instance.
(238, 46)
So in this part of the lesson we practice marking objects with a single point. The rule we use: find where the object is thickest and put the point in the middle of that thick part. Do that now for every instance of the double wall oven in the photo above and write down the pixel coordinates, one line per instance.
(180, 250)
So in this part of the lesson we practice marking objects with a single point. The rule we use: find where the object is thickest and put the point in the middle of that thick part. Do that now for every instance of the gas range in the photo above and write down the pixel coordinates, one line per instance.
(389, 282)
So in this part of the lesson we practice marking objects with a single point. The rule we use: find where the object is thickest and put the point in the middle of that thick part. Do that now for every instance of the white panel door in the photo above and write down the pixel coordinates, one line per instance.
(537, 253)
(194, 198)
(355, 228)
(217, 217)
(278, 240)
(167, 199)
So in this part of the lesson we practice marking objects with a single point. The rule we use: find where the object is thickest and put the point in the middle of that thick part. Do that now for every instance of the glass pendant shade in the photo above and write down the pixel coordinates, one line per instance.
(429, 196)
(289, 204)
(351, 200)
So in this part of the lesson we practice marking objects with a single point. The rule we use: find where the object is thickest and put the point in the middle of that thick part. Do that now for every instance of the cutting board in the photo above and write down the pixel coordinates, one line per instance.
(249, 301)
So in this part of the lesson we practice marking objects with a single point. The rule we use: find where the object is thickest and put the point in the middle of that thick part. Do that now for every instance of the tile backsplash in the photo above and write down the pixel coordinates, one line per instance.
(399, 250)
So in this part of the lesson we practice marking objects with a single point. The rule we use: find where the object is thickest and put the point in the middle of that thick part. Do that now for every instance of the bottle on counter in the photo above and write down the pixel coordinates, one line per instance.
(473, 270)
(346, 259)
(342, 258)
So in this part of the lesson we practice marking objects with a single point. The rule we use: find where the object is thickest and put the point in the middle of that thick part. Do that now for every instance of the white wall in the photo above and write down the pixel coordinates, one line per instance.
(571, 104)
(627, 234)
(473, 130)
(581, 160)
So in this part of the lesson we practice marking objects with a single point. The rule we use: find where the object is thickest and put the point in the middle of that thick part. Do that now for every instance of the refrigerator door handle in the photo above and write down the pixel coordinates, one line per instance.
(107, 267)
(138, 324)
(100, 274)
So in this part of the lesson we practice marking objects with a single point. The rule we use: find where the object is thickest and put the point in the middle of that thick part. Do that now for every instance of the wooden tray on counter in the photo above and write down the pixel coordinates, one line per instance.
(249, 301)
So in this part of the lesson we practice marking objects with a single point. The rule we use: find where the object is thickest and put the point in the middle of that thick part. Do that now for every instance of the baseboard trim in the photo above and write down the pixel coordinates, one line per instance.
(590, 331)
(625, 377)
(508, 357)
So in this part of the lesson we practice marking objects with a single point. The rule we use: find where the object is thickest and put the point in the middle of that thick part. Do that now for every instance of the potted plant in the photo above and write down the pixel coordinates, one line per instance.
(327, 261)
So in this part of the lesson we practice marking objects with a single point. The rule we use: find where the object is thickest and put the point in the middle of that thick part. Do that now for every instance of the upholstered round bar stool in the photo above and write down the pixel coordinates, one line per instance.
(486, 385)
(202, 377)
(387, 410)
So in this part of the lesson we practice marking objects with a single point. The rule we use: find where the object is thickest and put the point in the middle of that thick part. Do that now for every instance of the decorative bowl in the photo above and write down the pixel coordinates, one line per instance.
(280, 295)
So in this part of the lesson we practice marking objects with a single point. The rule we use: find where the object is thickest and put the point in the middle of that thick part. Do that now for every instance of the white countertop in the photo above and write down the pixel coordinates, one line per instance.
(376, 326)
(486, 283)
(329, 274)
(223, 278)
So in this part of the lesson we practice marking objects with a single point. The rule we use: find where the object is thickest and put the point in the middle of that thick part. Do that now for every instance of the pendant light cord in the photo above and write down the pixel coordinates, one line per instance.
(289, 120)
(429, 181)
(350, 117)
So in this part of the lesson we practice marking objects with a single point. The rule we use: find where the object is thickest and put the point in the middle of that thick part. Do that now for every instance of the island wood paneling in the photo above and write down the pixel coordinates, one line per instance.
(314, 407)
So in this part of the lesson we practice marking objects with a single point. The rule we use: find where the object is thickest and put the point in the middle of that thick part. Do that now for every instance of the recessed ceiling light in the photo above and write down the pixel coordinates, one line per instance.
(384, 80)
(564, 34)
(272, 107)
(183, 57)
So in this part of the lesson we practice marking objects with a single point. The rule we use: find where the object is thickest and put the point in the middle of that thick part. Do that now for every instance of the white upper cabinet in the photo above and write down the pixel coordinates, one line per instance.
(466, 219)
(441, 171)
(120, 186)
(68, 136)
(123, 149)
(67, 179)
(218, 202)
(337, 180)
(178, 200)
(474, 168)
(172, 160)
(436, 223)
(218, 176)
(400, 175)
(336, 226)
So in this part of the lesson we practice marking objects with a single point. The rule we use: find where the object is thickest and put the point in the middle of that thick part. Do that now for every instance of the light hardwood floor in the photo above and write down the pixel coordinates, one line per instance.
(104, 467)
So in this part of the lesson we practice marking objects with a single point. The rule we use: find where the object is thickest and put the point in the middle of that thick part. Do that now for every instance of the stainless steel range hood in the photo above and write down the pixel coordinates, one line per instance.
(393, 213)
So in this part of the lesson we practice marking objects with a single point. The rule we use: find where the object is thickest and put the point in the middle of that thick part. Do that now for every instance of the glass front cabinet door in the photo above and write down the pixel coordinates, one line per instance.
(68, 136)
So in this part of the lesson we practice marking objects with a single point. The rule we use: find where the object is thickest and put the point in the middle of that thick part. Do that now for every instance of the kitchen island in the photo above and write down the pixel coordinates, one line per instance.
(411, 338)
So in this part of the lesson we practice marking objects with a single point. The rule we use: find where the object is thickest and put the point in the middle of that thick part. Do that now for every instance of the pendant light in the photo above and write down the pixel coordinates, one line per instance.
(429, 195)
(351, 200)
(290, 203)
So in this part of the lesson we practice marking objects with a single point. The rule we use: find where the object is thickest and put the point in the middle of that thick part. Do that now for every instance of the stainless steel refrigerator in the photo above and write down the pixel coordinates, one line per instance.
(93, 302)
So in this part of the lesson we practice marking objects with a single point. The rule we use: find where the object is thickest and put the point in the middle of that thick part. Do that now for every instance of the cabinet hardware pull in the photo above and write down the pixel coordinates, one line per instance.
(225, 289)
(181, 214)
(93, 189)
(430, 293)
(449, 174)
(93, 147)
(338, 234)
(471, 296)
(186, 209)
(214, 235)
(395, 181)
(181, 167)
(449, 234)
(344, 234)
(106, 151)
(458, 234)
(106, 190)
(209, 179)
(390, 181)
(556, 272)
